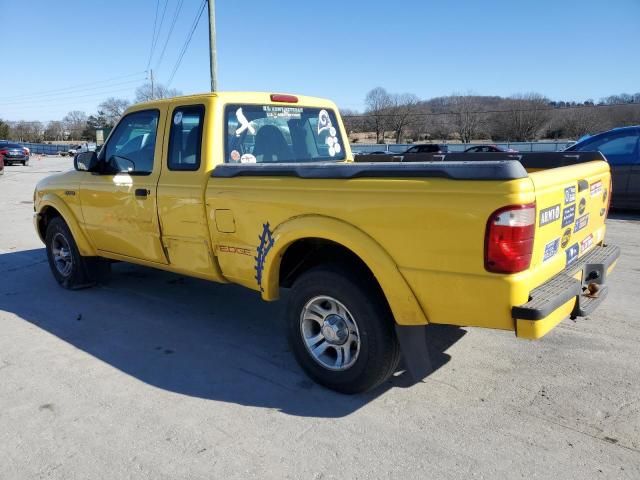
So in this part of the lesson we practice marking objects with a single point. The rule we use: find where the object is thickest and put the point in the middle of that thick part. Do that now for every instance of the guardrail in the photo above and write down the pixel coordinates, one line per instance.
(461, 147)
(45, 148)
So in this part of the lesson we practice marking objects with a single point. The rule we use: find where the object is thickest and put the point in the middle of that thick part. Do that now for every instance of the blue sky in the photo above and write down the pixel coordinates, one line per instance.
(564, 49)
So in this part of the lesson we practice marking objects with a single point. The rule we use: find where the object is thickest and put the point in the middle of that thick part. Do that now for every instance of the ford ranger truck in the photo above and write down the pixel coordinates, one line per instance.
(261, 190)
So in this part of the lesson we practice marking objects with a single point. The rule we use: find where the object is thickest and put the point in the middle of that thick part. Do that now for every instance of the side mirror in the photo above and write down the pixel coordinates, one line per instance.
(85, 161)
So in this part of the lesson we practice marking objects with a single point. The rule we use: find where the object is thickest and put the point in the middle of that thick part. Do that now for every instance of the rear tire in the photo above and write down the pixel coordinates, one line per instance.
(341, 330)
(69, 268)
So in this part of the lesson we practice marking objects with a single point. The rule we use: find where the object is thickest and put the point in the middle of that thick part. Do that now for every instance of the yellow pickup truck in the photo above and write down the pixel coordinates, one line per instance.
(261, 190)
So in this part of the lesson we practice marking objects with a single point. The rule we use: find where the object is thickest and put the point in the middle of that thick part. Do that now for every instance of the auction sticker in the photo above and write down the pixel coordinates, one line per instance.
(570, 194)
(549, 215)
(586, 244)
(572, 253)
(568, 215)
(550, 249)
(596, 188)
(581, 222)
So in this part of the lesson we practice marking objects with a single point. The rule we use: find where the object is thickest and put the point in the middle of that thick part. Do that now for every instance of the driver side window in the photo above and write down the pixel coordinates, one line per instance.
(131, 147)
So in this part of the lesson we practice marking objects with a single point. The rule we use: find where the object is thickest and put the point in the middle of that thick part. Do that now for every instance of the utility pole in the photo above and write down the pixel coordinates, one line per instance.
(213, 63)
(152, 89)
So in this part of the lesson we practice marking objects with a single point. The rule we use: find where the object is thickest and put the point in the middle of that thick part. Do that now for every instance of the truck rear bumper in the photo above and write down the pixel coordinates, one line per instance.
(567, 293)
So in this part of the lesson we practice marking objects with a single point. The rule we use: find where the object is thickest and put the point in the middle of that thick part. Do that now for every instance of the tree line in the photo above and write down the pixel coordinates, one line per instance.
(391, 117)
(404, 118)
(77, 125)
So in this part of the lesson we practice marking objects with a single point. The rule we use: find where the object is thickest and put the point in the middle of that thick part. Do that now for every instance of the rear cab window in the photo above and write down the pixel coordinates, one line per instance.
(281, 134)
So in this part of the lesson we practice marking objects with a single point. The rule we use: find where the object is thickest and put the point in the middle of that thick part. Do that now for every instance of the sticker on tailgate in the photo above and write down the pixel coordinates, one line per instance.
(570, 194)
(550, 249)
(572, 253)
(582, 206)
(549, 215)
(586, 244)
(568, 215)
(596, 188)
(581, 222)
(566, 236)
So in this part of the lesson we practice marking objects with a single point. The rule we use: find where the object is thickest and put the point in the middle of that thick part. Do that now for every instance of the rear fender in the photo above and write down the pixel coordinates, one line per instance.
(404, 306)
(85, 247)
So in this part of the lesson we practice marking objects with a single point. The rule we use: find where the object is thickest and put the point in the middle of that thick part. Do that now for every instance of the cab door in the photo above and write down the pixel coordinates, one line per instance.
(118, 201)
(181, 200)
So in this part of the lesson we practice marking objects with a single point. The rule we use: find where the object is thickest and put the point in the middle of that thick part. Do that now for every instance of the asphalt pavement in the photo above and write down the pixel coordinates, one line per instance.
(159, 376)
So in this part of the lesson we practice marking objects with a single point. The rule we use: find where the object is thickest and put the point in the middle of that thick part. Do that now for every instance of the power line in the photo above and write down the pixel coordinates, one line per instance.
(153, 35)
(186, 44)
(155, 41)
(45, 98)
(173, 23)
(66, 100)
(479, 112)
(75, 87)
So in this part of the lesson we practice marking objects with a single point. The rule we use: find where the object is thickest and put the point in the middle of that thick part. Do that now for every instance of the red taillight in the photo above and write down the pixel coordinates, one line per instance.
(509, 239)
(4, 152)
(279, 97)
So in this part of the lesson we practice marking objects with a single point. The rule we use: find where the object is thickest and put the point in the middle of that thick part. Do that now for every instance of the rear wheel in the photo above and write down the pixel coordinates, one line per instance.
(70, 269)
(341, 330)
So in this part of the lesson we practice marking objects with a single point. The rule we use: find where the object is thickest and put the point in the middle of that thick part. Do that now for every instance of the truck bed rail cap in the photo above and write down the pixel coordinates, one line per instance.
(471, 170)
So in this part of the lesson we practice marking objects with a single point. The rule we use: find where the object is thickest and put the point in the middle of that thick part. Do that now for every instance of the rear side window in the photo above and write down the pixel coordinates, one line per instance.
(281, 134)
(186, 138)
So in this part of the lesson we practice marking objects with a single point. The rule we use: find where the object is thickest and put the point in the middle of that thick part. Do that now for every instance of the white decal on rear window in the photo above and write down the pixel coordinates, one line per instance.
(247, 158)
(324, 123)
(244, 124)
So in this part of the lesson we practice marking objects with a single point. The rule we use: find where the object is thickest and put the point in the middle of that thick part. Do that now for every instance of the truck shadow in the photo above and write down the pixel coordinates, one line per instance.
(191, 337)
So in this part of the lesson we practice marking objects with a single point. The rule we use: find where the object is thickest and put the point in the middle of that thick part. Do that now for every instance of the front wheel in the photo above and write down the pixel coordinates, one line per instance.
(70, 269)
(341, 330)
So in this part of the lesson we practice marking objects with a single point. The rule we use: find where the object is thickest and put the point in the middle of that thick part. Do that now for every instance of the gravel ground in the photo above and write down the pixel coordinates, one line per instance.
(159, 376)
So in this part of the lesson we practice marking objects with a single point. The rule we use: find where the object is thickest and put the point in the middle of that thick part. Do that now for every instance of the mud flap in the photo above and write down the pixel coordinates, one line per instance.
(415, 353)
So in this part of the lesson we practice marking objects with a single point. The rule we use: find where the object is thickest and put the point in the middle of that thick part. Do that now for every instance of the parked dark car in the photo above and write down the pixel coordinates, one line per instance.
(14, 153)
(428, 148)
(489, 149)
(621, 148)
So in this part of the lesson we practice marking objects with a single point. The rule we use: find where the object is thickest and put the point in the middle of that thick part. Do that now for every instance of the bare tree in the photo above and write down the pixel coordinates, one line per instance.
(54, 130)
(112, 109)
(378, 102)
(75, 123)
(4, 130)
(403, 109)
(465, 119)
(576, 122)
(144, 92)
(524, 118)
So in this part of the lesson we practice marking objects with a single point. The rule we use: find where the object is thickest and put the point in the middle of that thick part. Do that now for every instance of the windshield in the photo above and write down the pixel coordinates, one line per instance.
(281, 134)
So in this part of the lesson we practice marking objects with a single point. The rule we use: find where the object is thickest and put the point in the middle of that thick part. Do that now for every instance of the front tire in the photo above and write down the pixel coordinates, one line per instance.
(70, 269)
(341, 330)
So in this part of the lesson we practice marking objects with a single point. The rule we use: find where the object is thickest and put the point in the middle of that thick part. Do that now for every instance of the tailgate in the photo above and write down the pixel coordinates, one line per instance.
(571, 205)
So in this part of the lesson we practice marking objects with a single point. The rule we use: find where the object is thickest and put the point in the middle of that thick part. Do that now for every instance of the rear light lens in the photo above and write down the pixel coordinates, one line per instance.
(509, 239)
(279, 97)
(4, 152)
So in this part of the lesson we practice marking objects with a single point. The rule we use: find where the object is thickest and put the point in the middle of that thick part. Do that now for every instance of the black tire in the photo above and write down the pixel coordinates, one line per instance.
(379, 352)
(82, 272)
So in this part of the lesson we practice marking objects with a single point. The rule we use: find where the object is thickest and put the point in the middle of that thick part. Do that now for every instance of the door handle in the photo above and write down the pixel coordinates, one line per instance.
(142, 192)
